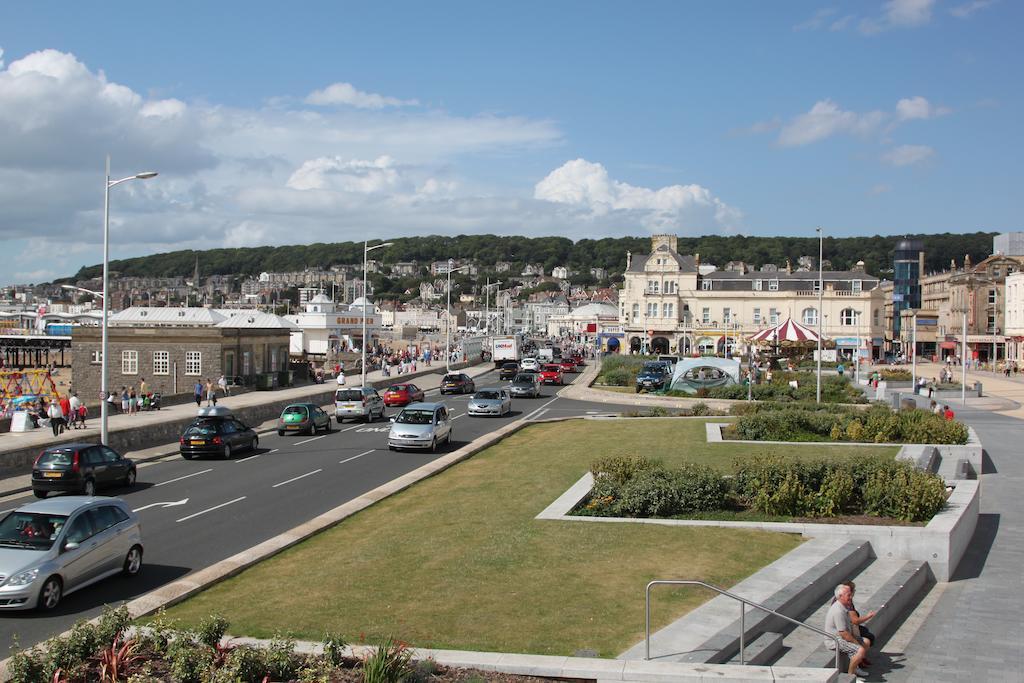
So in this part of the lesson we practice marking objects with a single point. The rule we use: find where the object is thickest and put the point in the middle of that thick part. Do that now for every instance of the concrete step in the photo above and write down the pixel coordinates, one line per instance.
(687, 633)
(792, 598)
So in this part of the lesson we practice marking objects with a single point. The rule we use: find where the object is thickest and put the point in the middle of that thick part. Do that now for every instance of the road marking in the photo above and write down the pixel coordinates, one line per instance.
(342, 462)
(301, 476)
(215, 507)
(272, 450)
(194, 474)
(166, 505)
(351, 428)
(533, 414)
(308, 440)
(538, 414)
(456, 417)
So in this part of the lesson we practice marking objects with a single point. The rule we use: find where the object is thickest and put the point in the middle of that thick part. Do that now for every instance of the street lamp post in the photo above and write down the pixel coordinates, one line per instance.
(821, 290)
(970, 281)
(913, 354)
(362, 362)
(108, 183)
(448, 318)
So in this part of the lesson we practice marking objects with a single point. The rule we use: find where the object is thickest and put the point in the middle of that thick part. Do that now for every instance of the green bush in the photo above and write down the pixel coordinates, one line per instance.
(651, 493)
(211, 630)
(621, 370)
(897, 375)
(699, 488)
(26, 666)
(904, 493)
(621, 468)
(188, 662)
(73, 650)
(389, 664)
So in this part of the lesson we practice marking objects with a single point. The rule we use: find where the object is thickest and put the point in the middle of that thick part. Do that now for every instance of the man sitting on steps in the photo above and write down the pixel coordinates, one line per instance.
(837, 622)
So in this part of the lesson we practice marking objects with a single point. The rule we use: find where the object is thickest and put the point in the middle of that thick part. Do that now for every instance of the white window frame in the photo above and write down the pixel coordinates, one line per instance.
(726, 315)
(773, 285)
(705, 315)
(652, 309)
(129, 362)
(161, 363)
(856, 286)
(757, 316)
(848, 317)
(666, 310)
(193, 363)
(809, 320)
(96, 357)
(705, 285)
(758, 285)
(773, 316)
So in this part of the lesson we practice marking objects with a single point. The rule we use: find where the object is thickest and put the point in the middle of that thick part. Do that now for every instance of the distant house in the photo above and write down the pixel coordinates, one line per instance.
(405, 268)
(502, 267)
(599, 273)
(533, 269)
(560, 272)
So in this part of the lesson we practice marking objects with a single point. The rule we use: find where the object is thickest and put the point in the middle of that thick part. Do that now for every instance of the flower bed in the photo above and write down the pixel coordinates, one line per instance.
(834, 389)
(877, 424)
(621, 371)
(767, 486)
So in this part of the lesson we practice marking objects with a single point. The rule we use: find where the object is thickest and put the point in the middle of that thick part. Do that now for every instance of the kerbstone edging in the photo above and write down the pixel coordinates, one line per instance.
(941, 543)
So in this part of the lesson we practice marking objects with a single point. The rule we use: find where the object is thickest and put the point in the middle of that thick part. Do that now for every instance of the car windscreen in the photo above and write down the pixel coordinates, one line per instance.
(348, 395)
(203, 428)
(452, 378)
(30, 530)
(415, 417)
(487, 395)
(522, 379)
(295, 410)
(398, 387)
(654, 367)
(57, 456)
(509, 366)
(551, 368)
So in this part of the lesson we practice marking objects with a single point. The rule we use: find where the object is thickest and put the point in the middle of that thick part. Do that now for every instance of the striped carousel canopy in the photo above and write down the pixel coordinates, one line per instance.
(787, 331)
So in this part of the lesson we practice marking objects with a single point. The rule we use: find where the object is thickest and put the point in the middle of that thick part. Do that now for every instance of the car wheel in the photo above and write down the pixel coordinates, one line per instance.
(327, 427)
(280, 432)
(133, 561)
(227, 451)
(129, 479)
(50, 594)
(89, 488)
(448, 439)
(433, 445)
(38, 494)
(254, 444)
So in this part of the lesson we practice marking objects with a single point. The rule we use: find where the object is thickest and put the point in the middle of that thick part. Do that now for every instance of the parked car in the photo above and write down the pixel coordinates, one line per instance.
(420, 425)
(492, 401)
(216, 432)
(51, 548)
(529, 364)
(652, 376)
(508, 370)
(551, 373)
(567, 365)
(457, 383)
(358, 402)
(525, 384)
(307, 418)
(80, 468)
(402, 395)
(578, 359)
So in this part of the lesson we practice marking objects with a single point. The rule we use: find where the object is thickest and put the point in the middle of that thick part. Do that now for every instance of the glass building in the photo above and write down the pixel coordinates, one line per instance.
(907, 268)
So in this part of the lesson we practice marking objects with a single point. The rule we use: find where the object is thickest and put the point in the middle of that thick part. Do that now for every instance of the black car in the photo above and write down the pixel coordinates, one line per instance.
(218, 433)
(508, 370)
(457, 383)
(653, 376)
(80, 468)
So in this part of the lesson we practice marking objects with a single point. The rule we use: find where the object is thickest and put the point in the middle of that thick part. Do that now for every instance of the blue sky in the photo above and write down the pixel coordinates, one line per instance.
(273, 124)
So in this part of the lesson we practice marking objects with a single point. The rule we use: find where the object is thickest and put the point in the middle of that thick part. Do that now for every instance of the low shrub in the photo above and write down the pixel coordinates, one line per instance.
(896, 375)
(620, 469)
(653, 492)
(700, 488)
(389, 664)
(621, 370)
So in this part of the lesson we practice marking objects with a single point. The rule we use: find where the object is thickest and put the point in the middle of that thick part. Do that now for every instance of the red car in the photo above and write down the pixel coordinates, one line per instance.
(578, 360)
(402, 395)
(567, 365)
(550, 373)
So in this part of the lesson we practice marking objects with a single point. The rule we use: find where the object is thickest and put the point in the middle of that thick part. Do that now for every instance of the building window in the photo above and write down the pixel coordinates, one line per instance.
(705, 315)
(773, 285)
(193, 363)
(856, 286)
(773, 316)
(991, 297)
(817, 286)
(848, 317)
(705, 285)
(810, 317)
(636, 311)
(757, 316)
(726, 316)
(667, 310)
(652, 286)
(96, 357)
(129, 362)
(652, 310)
(758, 284)
(670, 287)
(161, 363)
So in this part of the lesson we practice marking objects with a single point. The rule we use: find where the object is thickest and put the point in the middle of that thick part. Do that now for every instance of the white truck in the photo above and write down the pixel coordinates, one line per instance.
(507, 349)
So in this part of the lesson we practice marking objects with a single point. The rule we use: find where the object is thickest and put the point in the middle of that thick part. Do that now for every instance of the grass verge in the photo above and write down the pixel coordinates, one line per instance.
(458, 561)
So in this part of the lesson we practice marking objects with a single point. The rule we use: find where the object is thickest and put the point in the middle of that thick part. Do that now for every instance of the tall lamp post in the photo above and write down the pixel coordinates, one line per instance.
(821, 290)
(487, 302)
(913, 354)
(362, 362)
(448, 318)
(108, 183)
(970, 281)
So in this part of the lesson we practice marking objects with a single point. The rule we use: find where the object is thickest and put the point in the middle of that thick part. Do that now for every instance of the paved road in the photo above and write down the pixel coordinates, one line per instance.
(221, 507)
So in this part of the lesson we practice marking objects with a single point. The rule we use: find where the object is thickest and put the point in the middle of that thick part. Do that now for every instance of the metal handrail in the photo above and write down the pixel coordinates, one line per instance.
(743, 620)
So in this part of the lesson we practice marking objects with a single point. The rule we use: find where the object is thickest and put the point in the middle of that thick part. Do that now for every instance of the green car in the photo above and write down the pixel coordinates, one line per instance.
(303, 418)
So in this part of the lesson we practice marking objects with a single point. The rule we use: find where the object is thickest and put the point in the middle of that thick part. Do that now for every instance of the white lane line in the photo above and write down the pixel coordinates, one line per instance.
(194, 474)
(355, 426)
(272, 450)
(308, 440)
(301, 476)
(215, 507)
(533, 414)
(342, 462)
(456, 417)
(539, 414)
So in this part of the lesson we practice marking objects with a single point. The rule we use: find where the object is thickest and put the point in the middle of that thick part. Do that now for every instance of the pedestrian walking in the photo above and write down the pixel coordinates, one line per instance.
(65, 410)
(211, 393)
(56, 417)
(133, 401)
(125, 406)
(197, 393)
(74, 404)
(83, 412)
(222, 382)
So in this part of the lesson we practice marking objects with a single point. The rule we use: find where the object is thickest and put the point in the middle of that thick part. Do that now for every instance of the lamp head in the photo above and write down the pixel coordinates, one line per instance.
(146, 175)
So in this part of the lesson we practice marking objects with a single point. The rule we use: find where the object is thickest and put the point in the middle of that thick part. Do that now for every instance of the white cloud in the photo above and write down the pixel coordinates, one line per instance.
(346, 93)
(899, 14)
(907, 155)
(911, 108)
(1, 58)
(587, 187)
(967, 9)
(826, 119)
(817, 20)
(842, 23)
(881, 188)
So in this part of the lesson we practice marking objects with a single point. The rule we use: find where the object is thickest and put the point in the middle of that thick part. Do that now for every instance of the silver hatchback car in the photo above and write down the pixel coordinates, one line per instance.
(54, 547)
(491, 401)
(420, 425)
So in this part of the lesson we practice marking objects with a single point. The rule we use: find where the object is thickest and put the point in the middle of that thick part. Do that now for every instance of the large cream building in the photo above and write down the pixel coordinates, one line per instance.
(666, 305)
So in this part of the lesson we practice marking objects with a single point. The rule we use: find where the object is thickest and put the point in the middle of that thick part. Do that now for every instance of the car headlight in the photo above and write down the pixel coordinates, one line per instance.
(24, 578)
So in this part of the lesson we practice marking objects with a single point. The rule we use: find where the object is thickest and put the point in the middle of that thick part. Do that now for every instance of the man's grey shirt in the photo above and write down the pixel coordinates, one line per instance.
(837, 619)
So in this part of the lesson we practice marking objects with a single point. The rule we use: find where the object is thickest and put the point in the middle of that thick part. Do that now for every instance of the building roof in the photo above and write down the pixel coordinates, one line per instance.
(594, 310)
(783, 275)
(155, 315)
(687, 263)
(321, 299)
(257, 320)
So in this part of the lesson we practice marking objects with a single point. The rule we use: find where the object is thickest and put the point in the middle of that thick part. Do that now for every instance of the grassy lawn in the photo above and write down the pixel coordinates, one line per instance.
(458, 561)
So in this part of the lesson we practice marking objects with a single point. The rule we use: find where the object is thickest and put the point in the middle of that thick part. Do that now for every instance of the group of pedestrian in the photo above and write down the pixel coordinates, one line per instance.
(64, 412)
(848, 625)
(209, 390)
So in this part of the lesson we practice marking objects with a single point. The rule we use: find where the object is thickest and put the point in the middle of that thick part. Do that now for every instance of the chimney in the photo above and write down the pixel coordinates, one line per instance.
(629, 259)
(696, 260)
(967, 261)
(789, 266)
(859, 267)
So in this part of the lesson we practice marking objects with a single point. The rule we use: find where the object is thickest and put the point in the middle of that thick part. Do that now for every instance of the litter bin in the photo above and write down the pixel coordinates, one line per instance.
(895, 398)
(977, 388)
(284, 378)
(908, 404)
(266, 381)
